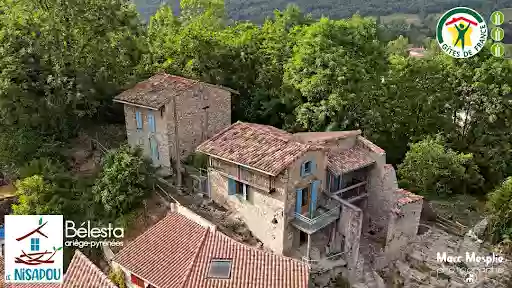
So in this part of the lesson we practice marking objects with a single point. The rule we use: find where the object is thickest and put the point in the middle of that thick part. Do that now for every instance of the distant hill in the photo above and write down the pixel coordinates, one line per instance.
(257, 10)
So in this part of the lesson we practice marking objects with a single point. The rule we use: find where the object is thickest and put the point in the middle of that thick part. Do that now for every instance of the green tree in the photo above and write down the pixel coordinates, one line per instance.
(125, 180)
(334, 68)
(34, 197)
(62, 60)
(429, 168)
(499, 210)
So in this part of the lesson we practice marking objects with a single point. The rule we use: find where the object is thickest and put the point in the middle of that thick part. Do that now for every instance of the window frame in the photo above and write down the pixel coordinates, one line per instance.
(219, 260)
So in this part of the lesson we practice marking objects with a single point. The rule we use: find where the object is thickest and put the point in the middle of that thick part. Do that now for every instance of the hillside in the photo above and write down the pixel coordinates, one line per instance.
(257, 10)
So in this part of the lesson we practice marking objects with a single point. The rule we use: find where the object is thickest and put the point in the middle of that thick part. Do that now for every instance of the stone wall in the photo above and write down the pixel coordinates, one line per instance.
(350, 226)
(201, 113)
(141, 137)
(381, 187)
(403, 227)
(263, 213)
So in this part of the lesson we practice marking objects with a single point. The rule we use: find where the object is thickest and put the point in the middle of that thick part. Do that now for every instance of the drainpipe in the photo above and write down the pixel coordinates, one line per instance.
(177, 144)
(309, 247)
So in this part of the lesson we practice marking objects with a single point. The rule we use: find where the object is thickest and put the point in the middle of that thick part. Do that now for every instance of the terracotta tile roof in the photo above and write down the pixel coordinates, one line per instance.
(372, 147)
(250, 267)
(164, 252)
(342, 161)
(321, 137)
(406, 197)
(261, 147)
(156, 91)
(81, 273)
(176, 253)
(159, 89)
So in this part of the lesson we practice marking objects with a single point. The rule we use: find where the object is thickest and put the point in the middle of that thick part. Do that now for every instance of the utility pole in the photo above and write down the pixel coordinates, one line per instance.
(177, 144)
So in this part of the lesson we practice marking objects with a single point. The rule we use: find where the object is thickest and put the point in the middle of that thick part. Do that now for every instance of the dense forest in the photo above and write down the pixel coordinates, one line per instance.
(445, 123)
(258, 10)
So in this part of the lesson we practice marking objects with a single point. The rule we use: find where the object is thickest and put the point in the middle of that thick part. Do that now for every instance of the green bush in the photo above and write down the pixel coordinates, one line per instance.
(117, 277)
(499, 210)
(429, 168)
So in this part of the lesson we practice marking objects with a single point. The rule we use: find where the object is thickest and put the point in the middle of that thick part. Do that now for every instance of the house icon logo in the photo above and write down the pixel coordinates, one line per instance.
(33, 248)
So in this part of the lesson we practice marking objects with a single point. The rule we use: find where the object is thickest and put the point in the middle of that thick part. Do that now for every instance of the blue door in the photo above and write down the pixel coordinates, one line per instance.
(154, 149)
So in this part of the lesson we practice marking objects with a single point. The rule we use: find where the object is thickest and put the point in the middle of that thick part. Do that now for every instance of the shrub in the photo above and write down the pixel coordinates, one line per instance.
(499, 210)
(429, 168)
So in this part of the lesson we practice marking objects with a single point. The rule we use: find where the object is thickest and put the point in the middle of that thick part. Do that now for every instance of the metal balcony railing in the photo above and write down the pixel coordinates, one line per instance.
(311, 221)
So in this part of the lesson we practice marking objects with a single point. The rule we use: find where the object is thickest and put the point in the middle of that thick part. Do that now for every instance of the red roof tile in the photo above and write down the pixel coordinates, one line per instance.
(321, 137)
(81, 273)
(342, 161)
(164, 253)
(250, 267)
(406, 197)
(176, 253)
(372, 147)
(261, 147)
(158, 90)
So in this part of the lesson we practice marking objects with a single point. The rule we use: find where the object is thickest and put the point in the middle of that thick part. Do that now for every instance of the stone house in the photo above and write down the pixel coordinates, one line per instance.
(169, 115)
(317, 196)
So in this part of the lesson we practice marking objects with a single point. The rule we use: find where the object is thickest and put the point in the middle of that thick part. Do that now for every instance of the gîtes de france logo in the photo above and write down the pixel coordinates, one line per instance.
(461, 32)
(33, 248)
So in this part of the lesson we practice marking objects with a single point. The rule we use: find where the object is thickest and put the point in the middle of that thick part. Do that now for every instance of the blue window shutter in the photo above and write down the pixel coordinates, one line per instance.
(313, 166)
(314, 192)
(231, 186)
(151, 120)
(298, 205)
(138, 117)
(302, 170)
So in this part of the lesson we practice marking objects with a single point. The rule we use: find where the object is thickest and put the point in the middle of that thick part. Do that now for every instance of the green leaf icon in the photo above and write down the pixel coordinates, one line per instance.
(59, 249)
(54, 248)
(40, 220)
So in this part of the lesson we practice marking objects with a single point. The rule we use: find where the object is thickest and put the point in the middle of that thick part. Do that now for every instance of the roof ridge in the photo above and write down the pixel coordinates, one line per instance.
(197, 253)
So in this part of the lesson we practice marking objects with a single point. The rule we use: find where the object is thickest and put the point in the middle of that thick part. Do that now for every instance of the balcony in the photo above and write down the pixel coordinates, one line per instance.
(322, 216)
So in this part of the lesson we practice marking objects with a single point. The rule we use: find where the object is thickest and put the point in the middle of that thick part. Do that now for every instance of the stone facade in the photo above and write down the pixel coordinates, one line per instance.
(267, 214)
(403, 226)
(350, 226)
(200, 113)
(141, 137)
(382, 184)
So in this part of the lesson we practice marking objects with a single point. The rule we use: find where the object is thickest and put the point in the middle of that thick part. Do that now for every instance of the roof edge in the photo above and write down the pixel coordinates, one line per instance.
(138, 105)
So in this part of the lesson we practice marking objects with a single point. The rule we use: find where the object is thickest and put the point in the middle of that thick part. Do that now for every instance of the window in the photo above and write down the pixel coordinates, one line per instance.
(237, 188)
(138, 118)
(151, 121)
(220, 268)
(137, 281)
(307, 167)
(34, 244)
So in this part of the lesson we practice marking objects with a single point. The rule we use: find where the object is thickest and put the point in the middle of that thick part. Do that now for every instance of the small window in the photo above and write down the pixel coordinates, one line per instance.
(307, 167)
(34, 244)
(220, 268)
